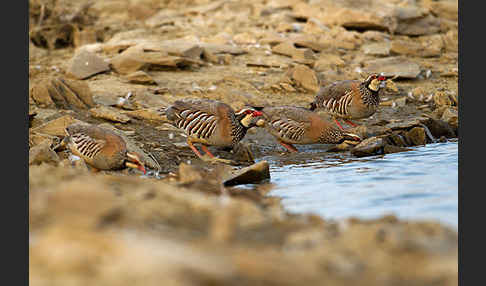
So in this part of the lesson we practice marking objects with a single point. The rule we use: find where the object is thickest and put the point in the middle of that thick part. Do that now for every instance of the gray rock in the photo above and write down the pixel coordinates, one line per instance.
(249, 175)
(85, 64)
(393, 66)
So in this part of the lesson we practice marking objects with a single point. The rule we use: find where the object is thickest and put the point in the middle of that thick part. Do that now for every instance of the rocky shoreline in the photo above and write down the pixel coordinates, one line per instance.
(118, 63)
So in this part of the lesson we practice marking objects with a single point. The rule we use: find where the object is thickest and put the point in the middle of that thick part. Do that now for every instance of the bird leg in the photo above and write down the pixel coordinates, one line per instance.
(194, 149)
(338, 124)
(288, 146)
(210, 158)
(350, 123)
(205, 149)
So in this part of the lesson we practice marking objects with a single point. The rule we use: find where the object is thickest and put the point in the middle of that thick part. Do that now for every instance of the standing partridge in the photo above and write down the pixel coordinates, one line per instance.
(350, 99)
(211, 123)
(297, 125)
(101, 148)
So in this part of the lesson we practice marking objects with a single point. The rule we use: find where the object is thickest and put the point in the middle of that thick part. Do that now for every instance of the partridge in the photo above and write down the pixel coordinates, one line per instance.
(350, 99)
(211, 123)
(101, 148)
(297, 125)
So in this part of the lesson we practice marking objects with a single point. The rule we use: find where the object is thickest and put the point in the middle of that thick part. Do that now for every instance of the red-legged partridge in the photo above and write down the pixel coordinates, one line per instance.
(297, 125)
(101, 148)
(211, 123)
(350, 99)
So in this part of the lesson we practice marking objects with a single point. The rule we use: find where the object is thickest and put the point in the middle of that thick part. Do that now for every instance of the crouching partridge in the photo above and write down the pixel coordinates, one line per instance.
(211, 123)
(101, 148)
(350, 99)
(297, 125)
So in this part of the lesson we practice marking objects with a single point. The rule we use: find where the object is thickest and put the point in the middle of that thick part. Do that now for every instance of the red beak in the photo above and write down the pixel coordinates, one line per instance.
(257, 113)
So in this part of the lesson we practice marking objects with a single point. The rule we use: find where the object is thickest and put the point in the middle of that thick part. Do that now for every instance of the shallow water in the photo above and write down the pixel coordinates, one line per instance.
(418, 184)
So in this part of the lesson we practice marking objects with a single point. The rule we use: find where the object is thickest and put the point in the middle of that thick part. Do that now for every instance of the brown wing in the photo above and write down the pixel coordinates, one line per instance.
(287, 122)
(199, 118)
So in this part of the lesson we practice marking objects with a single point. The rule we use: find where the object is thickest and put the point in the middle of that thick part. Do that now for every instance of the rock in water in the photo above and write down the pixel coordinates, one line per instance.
(249, 175)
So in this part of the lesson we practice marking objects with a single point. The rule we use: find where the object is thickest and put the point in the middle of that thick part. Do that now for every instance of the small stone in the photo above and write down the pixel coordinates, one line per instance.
(304, 77)
(85, 64)
(249, 175)
(140, 77)
(43, 153)
(417, 136)
(377, 49)
(285, 48)
(109, 113)
(244, 39)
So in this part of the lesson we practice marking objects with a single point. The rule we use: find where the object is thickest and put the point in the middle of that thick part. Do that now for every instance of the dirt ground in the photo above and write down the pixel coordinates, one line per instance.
(119, 63)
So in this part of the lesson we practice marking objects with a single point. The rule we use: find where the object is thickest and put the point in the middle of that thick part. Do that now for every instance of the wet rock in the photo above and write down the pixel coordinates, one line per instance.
(393, 66)
(375, 146)
(63, 93)
(249, 175)
(42, 153)
(56, 127)
(85, 64)
(377, 49)
(417, 136)
(451, 116)
(438, 128)
(305, 77)
(140, 77)
(109, 113)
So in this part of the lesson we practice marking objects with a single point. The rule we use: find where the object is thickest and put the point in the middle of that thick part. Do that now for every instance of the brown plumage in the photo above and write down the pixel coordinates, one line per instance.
(297, 125)
(100, 148)
(350, 99)
(211, 123)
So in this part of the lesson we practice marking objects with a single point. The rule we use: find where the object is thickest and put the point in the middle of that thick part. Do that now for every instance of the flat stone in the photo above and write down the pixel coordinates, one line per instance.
(151, 114)
(418, 26)
(393, 66)
(443, 9)
(109, 113)
(377, 49)
(56, 127)
(85, 64)
(140, 77)
(253, 174)
(285, 48)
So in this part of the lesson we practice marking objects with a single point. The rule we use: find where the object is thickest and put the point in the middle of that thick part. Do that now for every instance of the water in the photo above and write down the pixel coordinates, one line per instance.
(418, 184)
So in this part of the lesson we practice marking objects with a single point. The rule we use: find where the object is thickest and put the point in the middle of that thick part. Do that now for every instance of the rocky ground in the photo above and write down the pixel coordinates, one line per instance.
(118, 63)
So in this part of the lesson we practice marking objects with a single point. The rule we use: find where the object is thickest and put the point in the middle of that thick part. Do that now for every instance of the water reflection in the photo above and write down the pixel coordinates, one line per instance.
(418, 184)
